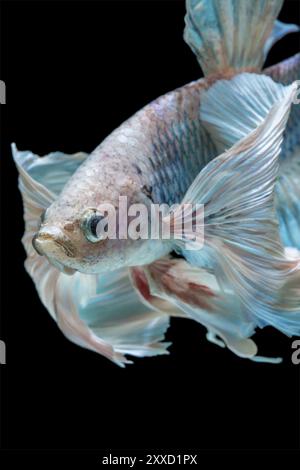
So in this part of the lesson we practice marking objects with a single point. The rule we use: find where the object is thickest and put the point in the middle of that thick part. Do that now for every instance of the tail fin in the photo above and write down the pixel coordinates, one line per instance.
(241, 229)
(231, 35)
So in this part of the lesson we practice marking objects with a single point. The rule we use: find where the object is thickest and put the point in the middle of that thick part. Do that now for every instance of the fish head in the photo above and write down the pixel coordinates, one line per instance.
(86, 229)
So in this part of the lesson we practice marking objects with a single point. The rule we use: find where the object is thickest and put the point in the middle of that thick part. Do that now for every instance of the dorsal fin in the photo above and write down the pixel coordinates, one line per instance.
(229, 35)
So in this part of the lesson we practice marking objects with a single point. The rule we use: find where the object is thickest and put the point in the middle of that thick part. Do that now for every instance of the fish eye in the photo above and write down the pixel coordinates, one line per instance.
(89, 225)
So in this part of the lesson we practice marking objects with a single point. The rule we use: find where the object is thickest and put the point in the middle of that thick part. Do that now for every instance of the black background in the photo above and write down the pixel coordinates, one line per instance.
(74, 71)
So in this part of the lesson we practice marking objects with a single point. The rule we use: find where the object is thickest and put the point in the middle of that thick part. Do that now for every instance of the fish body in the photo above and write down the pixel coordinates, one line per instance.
(151, 158)
(222, 141)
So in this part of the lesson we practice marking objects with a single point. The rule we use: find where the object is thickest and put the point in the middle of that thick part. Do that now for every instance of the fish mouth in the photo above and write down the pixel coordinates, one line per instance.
(47, 245)
(42, 240)
(36, 245)
(66, 246)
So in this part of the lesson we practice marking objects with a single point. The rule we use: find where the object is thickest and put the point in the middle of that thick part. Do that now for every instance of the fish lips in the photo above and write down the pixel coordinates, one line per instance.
(52, 243)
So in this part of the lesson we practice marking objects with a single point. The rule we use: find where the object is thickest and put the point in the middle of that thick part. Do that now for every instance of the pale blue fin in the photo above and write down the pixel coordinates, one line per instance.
(280, 30)
(240, 228)
(99, 312)
(182, 290)
(51, 171)
(246, 100)
(196, 294)
(267, 360)
(287, 199)
(288, 184)
(228, 35)
(287, 72)
(231, 109)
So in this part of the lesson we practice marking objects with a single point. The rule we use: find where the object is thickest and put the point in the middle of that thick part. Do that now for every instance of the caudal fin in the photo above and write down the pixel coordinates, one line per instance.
(228, 35)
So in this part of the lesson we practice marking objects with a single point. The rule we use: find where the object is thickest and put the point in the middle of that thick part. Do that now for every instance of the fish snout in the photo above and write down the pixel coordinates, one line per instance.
(52, 242)
(36, 243)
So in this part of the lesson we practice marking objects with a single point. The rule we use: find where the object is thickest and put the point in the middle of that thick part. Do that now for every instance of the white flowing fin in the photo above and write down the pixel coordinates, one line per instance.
(112, 314)
(194, 293)
(287, 200)
(287, 72)
(246, 100)
(240, 227)
(230, 35)
(101, 313)
(51, 172)
(231, 109)
(37, 196)
(288, 186)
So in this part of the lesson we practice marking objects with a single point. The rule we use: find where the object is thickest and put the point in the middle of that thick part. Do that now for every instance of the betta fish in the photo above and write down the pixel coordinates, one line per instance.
(230, 142)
